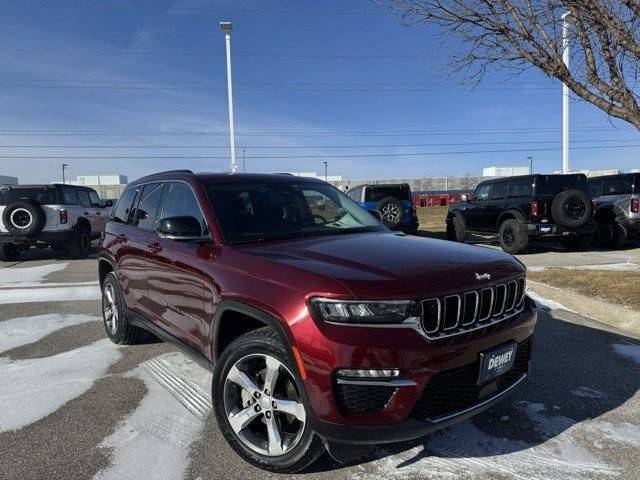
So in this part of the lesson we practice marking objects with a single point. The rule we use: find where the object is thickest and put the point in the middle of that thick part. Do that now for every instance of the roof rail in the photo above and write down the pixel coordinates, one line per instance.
(174, 171)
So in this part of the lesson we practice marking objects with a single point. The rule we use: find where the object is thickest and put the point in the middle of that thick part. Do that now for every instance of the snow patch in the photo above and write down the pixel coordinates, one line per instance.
(154, 440)
(49, 294)
(35, 388)
(622, 267)
(629, 351)
(587, 392)
(536, 268)
(550, 304)
(22, 331)
(464, 451)
(28, 276)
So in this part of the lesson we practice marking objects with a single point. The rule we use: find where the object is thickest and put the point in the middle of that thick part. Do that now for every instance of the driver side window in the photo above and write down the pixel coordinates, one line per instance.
(482, 193)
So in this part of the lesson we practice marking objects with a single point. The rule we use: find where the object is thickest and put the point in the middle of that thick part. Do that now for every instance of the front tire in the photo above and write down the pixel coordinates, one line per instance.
(114, 316)
(259, 404)
(612, 235)
(456, 230)
(513, 236)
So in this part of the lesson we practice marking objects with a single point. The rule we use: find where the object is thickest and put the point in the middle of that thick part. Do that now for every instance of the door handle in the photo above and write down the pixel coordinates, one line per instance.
(155, 247)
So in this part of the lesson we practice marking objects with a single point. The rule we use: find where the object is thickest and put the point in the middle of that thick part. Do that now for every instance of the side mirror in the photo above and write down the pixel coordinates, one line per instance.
(376, 214)
(464, 198)
(180, 228)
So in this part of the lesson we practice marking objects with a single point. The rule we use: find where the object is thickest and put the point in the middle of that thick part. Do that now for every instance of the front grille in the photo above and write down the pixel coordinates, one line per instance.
(456, 314)
(357, 399)
(456, 389)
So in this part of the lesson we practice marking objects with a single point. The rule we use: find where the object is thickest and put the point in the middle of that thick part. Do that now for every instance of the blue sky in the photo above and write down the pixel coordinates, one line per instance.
(314, 81)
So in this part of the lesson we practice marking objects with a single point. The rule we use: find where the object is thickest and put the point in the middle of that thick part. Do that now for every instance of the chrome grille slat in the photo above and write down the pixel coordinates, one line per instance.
(468, 311)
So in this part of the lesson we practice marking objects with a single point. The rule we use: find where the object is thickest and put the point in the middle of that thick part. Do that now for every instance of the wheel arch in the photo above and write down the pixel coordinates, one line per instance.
(105, 266)
(511, 214)
(83, 223)
(234, 318)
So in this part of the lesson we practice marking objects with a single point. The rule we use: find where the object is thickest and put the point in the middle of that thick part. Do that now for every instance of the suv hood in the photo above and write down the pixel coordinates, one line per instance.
(393, 265)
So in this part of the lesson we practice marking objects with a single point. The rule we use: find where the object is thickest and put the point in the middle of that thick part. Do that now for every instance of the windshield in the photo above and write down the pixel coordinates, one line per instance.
(261, 211)
(375, 193)
(42, 195)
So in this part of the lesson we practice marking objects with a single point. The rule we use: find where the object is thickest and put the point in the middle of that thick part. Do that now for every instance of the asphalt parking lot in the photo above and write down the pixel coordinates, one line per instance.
(73, 405)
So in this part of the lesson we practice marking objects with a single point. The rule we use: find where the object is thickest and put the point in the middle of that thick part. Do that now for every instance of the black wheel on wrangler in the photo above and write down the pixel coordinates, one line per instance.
(513, 236)
(80, 244)
(113, 313)
(611, 235)
(9, 252)
(259, 404)
(456, 231)
(577, 242)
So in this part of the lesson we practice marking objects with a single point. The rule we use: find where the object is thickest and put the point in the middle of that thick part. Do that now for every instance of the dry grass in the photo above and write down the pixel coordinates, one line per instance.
(432, 219)
(621, 287)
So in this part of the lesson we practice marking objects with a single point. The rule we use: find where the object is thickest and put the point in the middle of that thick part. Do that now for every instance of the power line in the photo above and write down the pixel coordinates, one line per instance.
(288, 147)
(283, 157)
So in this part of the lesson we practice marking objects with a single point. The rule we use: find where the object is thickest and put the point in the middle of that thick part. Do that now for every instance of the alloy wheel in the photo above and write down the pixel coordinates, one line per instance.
(263, 405)
(110, 308)
(390, 212)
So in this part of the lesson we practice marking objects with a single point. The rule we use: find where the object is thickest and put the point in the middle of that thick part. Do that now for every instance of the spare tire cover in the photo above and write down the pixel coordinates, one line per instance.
(24, 218)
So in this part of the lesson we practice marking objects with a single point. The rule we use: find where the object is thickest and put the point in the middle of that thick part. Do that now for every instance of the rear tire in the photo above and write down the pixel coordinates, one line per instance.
(253, 437)
(80, 244)
(392, 211)
(513, 236)
(116, 325)
(26, 218)
(612, 235)
(577, 242)
(9, 252)
(571, 208)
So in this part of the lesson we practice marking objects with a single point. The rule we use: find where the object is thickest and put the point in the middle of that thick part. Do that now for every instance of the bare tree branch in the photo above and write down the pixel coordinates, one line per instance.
(512, 35)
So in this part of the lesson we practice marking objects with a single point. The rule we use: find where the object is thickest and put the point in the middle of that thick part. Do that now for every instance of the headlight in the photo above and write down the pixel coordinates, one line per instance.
(367, 312)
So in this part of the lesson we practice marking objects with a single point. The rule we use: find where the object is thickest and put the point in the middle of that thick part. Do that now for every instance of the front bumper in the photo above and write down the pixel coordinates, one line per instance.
(409, 429)
(420, 362)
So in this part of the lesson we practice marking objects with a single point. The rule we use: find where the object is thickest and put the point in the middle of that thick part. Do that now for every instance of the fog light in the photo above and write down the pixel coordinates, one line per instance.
(388, 373)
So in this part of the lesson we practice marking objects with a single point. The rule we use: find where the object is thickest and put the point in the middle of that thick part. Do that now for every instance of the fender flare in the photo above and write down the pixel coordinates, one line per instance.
(260, 315)
(517, 214)
(103, 258)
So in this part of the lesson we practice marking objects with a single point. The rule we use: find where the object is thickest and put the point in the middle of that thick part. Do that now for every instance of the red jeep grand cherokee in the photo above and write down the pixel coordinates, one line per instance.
(323, 329)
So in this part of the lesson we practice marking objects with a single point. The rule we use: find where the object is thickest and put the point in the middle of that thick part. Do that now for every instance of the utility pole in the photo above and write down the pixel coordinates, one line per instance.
(226, 28)
(530, 158)
(326, 177)
(64, 167)
(244, 161)
(565, 94)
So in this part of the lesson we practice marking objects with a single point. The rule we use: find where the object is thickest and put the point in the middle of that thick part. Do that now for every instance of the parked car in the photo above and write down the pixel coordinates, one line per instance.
(616, 199)
(336, 334)
(63, 217)
(393, 201)
(519, 209)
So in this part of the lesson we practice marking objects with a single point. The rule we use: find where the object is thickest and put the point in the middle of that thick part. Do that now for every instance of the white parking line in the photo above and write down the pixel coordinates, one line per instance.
(15, 276)
(59, 293)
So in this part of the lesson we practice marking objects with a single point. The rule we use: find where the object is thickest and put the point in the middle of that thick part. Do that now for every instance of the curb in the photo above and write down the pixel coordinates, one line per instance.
(618, 316)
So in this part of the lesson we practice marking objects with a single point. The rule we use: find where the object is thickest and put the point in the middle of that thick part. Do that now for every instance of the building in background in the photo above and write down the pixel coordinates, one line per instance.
(7, 180)
(508, 171)
(107, 185)
(330, 178)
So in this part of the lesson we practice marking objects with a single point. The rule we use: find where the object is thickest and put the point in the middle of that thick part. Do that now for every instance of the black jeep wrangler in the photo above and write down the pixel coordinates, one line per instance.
(527, 207)
(616, 200)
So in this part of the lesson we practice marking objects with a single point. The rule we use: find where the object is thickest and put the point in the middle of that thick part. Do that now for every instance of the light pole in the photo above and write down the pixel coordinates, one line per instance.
(530, 158)
(244, 161)
(64, 167)
(565, 94)
(326, 177)
(226, 29)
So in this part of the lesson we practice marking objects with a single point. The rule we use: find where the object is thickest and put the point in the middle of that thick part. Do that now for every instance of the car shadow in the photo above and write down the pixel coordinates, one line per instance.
(38, 254)
(578, 373)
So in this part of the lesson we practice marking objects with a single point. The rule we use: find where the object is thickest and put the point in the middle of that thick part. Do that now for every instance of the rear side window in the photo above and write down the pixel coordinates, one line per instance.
(83, 198)
(595, 188)
(554, 184)
(498, 191)
(520, 188)
(617, 185)
(123, 212)
(180, 201)
(374, 193)
(148, 210)
(69, 196)
(42, 195)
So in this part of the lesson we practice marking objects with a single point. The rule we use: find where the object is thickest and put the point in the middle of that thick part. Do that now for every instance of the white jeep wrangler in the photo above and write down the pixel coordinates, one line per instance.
(63, 217)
